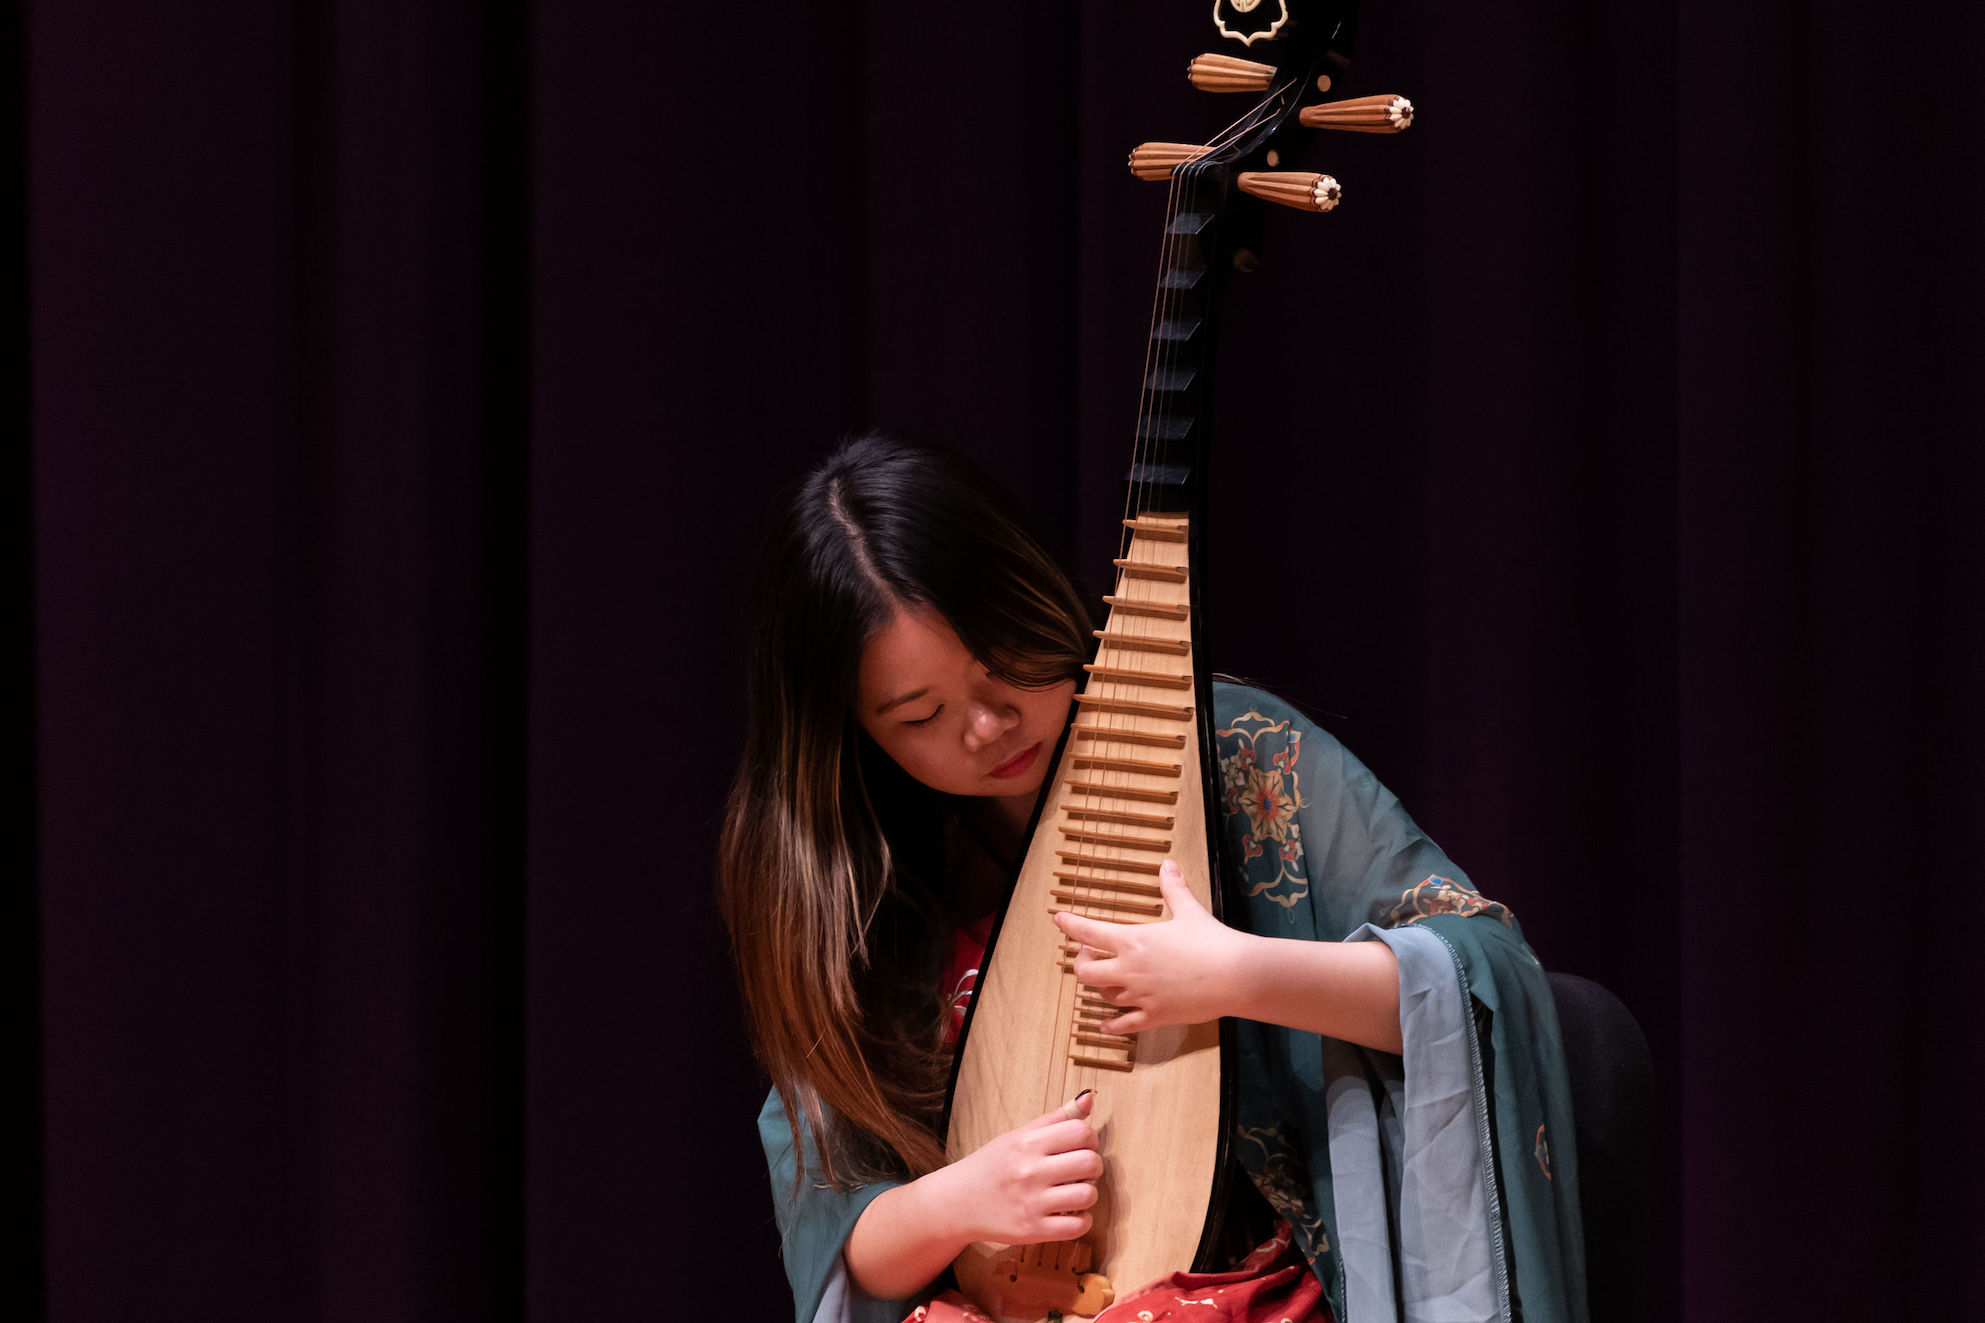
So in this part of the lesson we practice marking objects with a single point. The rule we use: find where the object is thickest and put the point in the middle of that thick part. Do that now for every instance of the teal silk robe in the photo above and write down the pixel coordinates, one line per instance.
(1433, 1186)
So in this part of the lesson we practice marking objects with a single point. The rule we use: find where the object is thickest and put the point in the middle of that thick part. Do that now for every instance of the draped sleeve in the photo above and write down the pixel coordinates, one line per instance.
(814, 1222)
(1439, 1183)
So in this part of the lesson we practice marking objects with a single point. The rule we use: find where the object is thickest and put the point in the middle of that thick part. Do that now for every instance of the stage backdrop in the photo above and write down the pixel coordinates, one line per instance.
(410, 379)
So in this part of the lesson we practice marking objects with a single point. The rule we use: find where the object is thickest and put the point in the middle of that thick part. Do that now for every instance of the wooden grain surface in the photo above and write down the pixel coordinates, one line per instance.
(1129, 774)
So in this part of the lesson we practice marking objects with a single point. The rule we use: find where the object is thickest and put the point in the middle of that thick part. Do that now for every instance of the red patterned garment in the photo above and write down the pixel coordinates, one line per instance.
(963, 959)
(1273, 1285)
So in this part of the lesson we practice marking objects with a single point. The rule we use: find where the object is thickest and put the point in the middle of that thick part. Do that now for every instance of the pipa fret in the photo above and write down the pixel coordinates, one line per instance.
(1156, 610)
(1133, 708)
(1081, 860)
(1138, 569)
(1070, 899)
(1119, 816)
(1156, 679)
(1101, 1040)
(1146, 526)
(1125, 792)
(1143, 643)
(1139, 766)
(1115, 883)
(1154, 739)
(1156, 843)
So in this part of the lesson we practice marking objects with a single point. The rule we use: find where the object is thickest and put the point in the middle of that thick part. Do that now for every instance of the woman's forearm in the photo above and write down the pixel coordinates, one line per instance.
(903, 1240)
(1347, 990)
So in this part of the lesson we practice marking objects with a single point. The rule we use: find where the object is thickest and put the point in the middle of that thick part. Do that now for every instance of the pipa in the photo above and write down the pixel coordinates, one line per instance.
(1134, 780)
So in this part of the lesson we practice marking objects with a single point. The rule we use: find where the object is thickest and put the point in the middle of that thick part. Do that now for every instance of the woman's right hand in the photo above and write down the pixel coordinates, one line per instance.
(1030, 1185)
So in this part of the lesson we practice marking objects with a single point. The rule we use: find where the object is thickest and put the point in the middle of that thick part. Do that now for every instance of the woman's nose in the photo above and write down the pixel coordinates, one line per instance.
(986, 723)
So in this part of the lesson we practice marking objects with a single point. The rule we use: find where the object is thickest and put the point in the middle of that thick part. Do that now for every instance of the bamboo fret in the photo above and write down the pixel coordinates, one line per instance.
(1081, 860)
(1069, 899)
(1128, 736)
(1097, 1038)
(1161, 845)
(1157, 530)
(1116, 883)
(1118, 816)
(1156, 610)
(1143, 643)
(1155, 679)
(1137, 569)
(1132, 708)
(1127, 765)
(1125, 792)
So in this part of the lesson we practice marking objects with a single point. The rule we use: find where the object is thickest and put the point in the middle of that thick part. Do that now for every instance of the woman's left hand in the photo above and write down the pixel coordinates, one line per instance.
(1184, 970)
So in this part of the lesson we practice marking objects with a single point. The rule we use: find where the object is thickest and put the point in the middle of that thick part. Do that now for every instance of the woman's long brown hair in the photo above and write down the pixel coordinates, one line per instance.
(830, 870)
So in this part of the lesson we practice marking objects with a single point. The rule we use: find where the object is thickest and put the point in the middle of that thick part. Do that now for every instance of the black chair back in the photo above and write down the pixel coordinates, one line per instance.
(1612, 1095)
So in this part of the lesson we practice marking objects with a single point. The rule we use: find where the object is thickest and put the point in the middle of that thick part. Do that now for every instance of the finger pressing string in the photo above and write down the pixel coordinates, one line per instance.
(1089, 932)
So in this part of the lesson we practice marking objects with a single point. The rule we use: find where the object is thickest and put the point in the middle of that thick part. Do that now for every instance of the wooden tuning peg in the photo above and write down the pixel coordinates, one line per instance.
(1157, 160)
(1292, 188)
(1225, 73)
(1364, 114)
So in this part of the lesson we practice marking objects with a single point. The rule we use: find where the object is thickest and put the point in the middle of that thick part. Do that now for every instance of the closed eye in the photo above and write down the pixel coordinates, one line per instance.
(925, 721)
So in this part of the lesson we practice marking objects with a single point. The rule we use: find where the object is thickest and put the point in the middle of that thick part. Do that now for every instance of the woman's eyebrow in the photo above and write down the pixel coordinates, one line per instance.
(906, 698)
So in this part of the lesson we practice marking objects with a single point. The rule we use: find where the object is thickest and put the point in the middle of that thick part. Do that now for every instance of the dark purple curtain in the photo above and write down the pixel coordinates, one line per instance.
(279, 448)
(407, 388)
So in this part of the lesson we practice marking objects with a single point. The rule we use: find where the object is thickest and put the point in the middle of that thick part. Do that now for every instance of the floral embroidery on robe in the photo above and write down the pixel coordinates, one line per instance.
(1259, 781)
(1441, 895)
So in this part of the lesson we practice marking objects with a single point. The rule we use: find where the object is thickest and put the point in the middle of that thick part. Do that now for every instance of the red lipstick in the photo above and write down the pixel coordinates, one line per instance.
(1017, 764)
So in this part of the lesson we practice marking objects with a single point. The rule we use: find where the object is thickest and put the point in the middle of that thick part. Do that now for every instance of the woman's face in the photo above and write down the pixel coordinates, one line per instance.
(947, 721)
